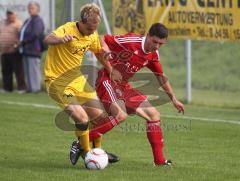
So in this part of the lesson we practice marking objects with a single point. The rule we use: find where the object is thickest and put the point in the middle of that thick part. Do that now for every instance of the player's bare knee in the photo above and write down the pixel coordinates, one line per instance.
(77, 117)
(118, 111)
(103, 115)
(154, 115)
(98, 114)
(121, 116)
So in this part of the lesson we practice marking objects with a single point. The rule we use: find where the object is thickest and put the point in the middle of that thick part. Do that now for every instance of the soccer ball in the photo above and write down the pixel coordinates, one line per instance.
(96, 159)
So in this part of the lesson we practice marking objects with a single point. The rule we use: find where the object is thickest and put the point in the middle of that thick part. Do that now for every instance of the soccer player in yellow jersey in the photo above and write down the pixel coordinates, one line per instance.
(64, 81)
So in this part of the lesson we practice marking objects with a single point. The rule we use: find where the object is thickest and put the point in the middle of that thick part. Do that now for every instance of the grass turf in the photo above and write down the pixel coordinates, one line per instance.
(33, 148)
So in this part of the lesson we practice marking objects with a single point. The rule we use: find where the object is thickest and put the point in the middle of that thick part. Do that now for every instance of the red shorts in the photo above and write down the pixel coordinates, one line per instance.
(109, 92)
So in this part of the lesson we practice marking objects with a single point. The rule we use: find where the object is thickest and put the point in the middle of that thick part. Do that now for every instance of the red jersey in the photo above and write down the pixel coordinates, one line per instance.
(128, 55)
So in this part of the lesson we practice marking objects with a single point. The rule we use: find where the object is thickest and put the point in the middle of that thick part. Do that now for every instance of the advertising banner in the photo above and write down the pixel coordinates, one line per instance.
(185, 19)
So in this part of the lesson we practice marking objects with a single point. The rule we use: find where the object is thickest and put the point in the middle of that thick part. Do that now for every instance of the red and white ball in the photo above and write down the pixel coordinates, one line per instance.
(96, 159)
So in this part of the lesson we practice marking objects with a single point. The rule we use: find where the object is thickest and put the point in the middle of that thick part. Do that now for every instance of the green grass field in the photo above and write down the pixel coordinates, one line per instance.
(204, 144)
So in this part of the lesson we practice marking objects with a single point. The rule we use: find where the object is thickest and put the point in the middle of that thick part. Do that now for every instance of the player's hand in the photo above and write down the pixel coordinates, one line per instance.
(66, 38)
(115, 75)
(179, 106)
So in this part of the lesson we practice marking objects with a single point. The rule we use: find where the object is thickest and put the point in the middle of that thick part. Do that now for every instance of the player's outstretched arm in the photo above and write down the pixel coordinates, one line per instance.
(103, 59)
(104, 56)
(52, 39)
(115, 75)
(168, 89)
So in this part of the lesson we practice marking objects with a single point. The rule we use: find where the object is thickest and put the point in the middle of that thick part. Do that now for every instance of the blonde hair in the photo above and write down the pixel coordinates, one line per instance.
(89, 10)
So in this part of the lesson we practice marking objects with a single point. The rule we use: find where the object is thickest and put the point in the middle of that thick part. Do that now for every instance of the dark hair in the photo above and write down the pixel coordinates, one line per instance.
(10, 12)
(158, 30)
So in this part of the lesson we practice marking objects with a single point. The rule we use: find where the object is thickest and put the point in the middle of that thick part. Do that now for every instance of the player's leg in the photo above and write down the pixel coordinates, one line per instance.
(80, 117)
(67, 98)
(92, 110)
(113, 106)
(101, 123)
(95, 113)
(137, 103)
(154, 131)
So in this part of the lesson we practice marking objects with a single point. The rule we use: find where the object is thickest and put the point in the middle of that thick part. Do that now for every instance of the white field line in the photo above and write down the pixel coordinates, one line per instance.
(202, 119)
(30, 104)
(165, 115)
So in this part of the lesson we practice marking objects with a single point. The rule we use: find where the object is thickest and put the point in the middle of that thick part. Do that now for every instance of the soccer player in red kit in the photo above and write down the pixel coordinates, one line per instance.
(130, 53)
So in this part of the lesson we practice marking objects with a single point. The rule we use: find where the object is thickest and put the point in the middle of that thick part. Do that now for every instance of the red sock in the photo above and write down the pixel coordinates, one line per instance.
(102, 127)
(155, 138)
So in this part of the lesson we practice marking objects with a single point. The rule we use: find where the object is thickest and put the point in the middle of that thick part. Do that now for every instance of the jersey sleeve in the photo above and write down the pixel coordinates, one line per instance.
(109, 40)
(155, 66)
(95, 46)
(112, 43)
(61, 31)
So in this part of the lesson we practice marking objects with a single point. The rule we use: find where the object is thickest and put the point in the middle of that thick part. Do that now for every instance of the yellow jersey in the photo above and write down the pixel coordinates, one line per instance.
(65, 59)
(64, 81)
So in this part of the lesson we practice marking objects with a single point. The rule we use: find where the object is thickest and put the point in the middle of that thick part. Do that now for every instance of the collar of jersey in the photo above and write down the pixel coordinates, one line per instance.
(143, 41)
